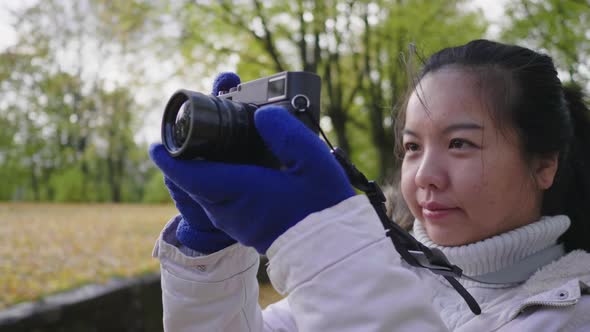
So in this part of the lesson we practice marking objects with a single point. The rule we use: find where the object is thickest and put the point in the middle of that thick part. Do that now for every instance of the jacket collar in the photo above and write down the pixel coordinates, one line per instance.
(504, 251)
(573, 266)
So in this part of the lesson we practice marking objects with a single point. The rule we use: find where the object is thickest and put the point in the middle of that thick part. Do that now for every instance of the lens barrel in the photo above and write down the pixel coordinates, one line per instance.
(196, 125)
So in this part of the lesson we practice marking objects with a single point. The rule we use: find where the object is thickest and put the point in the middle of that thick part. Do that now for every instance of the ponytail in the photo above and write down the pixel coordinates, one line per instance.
(573, 178)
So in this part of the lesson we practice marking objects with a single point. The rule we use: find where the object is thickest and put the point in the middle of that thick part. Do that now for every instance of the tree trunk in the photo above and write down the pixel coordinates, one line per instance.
(339, 123)
(114, 183)
(35, 184)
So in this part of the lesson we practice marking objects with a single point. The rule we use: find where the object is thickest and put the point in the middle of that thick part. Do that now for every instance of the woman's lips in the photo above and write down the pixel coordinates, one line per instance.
(436, 211)
(437, 214)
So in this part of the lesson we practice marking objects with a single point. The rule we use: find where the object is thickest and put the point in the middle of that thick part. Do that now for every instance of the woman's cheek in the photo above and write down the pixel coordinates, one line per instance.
(408, 188)
(469, 188)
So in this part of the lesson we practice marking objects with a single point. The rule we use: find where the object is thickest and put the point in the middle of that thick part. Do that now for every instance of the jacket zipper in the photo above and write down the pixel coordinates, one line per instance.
(542, 303)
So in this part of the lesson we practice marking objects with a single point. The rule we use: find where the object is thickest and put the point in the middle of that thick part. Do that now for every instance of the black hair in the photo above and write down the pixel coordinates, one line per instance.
(526, 93)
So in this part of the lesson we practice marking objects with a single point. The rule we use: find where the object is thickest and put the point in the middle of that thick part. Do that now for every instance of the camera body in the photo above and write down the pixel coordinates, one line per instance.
(278, 89)
(221, 128)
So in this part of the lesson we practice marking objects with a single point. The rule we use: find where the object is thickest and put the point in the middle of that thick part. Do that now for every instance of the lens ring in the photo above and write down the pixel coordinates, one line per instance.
(174, 105)
(182, 124)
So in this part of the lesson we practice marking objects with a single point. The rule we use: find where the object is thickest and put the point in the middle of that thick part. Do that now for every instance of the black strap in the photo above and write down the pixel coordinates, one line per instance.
(465, 294)
(411, 250)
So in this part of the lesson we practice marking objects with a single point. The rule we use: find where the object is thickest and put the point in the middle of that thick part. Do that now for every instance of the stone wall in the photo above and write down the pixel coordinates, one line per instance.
(120, 305)
(130, 305)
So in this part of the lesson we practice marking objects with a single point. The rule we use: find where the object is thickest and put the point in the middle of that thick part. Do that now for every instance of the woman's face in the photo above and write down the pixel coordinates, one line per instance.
(461, 177)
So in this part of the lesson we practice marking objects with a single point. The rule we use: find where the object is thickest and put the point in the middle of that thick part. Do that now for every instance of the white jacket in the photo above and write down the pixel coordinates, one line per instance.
(342, 274)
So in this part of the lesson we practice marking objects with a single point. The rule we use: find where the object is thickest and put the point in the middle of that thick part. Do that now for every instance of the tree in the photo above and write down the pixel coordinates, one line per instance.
(558, 27)
(354, 45)
(72, 113)
(54, 90)
(22, 108)
(116, 130)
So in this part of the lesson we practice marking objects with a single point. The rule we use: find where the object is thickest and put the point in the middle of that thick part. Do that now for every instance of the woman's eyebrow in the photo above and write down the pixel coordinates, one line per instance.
(409, 132)
(451, 128)
(462, 126)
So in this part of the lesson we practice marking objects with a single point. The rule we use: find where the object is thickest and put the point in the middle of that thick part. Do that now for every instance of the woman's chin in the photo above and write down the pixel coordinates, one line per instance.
(447, 236)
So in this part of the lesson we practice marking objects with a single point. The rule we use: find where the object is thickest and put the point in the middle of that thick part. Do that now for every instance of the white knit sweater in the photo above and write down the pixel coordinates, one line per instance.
(501, 251)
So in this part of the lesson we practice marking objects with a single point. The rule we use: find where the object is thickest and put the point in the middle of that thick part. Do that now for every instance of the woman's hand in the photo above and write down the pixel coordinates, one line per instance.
(254, 204)
(195, 230)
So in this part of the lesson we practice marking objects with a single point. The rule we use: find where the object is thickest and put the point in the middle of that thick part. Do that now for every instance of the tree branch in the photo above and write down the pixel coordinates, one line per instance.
(302, 45)
(267, 39)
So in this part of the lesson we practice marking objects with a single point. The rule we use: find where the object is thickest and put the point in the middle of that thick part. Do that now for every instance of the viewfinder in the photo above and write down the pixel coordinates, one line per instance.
(276, 87)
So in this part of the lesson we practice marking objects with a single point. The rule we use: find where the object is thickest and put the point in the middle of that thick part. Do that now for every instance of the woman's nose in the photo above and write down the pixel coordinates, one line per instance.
(432, 172)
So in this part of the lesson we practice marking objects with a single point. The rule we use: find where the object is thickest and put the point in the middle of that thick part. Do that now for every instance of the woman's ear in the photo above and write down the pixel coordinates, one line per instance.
(544, 169)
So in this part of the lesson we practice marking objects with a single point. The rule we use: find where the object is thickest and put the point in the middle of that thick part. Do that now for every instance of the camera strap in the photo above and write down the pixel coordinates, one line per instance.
(411, 250)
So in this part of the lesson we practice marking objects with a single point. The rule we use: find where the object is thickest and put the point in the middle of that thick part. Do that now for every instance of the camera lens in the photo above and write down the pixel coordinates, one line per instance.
(201, 126)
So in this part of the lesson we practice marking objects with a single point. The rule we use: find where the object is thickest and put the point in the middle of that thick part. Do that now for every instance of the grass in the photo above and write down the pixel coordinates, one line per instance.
(268, 295)
(48, 248)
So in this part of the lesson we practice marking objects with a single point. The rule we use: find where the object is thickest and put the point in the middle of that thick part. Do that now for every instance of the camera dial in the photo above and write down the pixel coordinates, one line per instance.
(300, 102)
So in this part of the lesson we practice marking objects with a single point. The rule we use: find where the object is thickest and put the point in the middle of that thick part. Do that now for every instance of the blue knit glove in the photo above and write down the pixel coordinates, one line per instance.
(224, 82)
(195, 230)
(254, 204)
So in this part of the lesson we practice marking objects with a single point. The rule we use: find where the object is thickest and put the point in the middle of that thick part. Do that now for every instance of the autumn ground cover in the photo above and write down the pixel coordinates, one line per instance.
(48, 248)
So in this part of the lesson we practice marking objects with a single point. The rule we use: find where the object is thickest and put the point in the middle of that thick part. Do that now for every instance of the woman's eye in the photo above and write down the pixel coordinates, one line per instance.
(457, 143)
(411, 147)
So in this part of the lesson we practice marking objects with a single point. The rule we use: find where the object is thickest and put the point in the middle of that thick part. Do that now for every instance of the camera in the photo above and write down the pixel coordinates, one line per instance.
(221, 128)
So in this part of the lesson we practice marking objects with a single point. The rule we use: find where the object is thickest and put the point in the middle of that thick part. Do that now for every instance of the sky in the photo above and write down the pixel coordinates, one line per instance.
(7, 36)
(150, 131)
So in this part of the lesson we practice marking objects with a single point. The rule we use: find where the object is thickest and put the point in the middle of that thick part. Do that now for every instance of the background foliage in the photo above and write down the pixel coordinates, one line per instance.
(86, 78)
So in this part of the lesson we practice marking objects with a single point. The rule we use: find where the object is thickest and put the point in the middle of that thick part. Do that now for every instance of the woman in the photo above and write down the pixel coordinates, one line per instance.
(494, 171)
